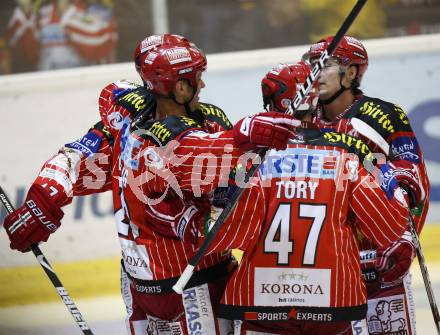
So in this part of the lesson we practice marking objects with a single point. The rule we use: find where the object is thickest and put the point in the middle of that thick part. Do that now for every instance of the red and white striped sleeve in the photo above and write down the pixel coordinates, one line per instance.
(380, 219)
(207, 160)
(244, 224)
(72, 173)
(196, 161)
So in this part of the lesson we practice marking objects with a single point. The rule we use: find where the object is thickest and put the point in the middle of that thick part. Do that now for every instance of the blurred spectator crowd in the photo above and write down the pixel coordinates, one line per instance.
(53, 34)
(46, 35)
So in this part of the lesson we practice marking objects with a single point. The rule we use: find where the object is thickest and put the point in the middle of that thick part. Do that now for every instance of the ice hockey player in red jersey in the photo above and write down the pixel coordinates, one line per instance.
(300, 272)
(165, 108)
(340, 103)
(385, 127)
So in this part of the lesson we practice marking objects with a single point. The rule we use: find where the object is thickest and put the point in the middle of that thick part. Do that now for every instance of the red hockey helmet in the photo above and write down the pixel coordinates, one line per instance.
(166, 63)
(280, 85)
(350, 51)
(150, 42)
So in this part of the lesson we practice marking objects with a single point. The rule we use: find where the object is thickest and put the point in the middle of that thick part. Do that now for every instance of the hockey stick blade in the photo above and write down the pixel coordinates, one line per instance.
(62, 292)
(181, 283)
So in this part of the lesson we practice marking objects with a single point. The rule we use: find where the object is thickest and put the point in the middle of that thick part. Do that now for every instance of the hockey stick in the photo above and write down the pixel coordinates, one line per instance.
(369, 132)
(62, 292)
(366, 130)
(299, 97)
(425, 274)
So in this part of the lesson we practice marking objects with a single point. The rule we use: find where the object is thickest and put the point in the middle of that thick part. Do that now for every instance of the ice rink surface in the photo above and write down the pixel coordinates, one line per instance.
(105, 315)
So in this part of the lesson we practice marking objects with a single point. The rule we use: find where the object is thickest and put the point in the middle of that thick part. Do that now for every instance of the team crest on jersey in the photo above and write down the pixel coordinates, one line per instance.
(387, 316)
(178, 55)
(300, 162)
(115, 120)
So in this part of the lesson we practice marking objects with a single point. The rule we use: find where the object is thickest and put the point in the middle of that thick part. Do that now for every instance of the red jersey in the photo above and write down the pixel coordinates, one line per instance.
(301, 256)
(392, 127)
(95, 163)
(148, 255)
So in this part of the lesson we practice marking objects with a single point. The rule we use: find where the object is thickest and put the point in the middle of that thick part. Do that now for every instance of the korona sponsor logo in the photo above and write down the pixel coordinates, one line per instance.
(135, 261)
(294, 314)
(291, 289)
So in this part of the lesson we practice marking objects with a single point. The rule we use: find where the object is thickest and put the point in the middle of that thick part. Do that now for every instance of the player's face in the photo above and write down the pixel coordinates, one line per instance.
(328, 80)
(194, 103)
(185, 93)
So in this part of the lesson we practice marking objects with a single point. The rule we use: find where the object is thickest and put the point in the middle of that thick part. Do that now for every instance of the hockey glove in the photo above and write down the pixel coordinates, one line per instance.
(190, 224)
(176, 218)
(34, 221)
(394, 260)
(408, 177)
(269, 129)
(403, 174)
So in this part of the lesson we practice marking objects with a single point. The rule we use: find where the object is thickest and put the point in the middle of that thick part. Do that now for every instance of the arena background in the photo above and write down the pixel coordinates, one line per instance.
(42, 110)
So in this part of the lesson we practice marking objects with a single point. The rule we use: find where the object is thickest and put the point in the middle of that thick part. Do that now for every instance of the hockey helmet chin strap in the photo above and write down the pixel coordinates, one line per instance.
(338, 92)
(185, 104)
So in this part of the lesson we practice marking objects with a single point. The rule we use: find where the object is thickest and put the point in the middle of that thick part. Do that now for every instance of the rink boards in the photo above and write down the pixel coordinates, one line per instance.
(41, 111)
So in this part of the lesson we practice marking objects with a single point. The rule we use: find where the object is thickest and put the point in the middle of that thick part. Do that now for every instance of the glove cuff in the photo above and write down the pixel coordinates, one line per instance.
(41, 196)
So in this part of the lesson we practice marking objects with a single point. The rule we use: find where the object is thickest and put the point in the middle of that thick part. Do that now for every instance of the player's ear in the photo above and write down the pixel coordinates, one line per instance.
(352, 72)
(179, 87)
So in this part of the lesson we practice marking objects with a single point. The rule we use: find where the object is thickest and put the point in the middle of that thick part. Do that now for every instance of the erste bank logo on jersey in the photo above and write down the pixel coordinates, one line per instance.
(300, 162)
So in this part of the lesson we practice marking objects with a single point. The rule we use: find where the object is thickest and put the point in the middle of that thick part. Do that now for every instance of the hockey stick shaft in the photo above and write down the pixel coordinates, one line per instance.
(62, 292)
(305, 88)
(370, 133)
(187, 273)
(425, 274)
(299, 97)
